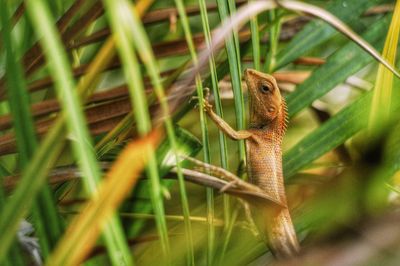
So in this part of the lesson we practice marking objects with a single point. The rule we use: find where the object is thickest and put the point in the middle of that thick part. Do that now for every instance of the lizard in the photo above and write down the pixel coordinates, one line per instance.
(263, 139)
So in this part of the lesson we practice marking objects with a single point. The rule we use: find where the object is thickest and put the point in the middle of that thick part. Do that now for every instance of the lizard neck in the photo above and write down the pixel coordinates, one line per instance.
(275, 128)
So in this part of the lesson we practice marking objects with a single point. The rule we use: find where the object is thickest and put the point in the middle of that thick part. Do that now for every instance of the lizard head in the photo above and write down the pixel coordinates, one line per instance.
(266, 102)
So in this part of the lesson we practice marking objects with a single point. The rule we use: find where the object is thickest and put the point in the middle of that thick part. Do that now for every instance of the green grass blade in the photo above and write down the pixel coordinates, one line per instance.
(81, 140)
(255, 41)
(235, 73)
(143, 45)
(317, 32)
(46, 220)
(343, 63)
(274, 34)
(227, 8)
(203, 125)
(124, 39)
(223, 154)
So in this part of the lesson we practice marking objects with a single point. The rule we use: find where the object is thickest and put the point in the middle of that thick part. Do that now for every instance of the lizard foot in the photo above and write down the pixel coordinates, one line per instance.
(227, 186)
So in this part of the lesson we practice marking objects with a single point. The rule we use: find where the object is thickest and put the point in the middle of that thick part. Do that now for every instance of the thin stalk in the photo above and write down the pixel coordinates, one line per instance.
(203, 123)
(225, 10)
(123, 31)
(221, 136)
(274, 32)
(147, 55)
(255, 41)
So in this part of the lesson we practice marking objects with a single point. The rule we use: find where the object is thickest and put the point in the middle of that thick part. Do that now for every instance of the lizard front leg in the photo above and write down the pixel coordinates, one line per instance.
(225, 127)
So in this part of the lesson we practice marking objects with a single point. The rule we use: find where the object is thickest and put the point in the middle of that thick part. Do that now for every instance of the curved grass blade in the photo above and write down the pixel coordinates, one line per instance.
(127, 30)
(340, 26)
(316, 32)
(142, 43)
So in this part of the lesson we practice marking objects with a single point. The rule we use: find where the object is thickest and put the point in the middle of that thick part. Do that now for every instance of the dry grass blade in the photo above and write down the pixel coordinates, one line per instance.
(83, 231)
(381, 102)
(247, 192)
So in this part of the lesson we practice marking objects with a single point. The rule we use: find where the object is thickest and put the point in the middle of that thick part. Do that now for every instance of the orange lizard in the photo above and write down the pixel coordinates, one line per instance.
(264, 159)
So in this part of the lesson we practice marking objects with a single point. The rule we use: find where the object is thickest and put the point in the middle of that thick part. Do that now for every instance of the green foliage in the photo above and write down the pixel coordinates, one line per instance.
(63, 124)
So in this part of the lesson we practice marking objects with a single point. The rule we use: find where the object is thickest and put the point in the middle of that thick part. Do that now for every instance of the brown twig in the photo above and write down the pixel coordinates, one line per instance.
(247, 192)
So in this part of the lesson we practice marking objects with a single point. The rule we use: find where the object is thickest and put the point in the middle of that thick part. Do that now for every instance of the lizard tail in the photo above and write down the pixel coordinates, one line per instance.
(280, 233)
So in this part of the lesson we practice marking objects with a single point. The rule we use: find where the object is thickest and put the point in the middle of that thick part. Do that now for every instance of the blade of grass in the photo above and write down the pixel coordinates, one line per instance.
(143, 45)
(123, 26)
(235, 73)
(203, 123)
(274, 33)
(46, 220)
(223, 154)
(340, 26)
(380, 112)
(315, 33)
(255, 41)
(225, 10)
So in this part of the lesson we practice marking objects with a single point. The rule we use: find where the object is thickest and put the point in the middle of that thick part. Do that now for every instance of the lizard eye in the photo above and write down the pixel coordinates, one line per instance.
(265, 89)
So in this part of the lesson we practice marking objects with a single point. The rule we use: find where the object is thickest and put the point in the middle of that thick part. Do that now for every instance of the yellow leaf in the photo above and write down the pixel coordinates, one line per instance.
(382, 97)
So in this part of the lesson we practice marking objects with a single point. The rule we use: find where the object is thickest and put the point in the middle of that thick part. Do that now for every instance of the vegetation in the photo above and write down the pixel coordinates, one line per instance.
(99, 112)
